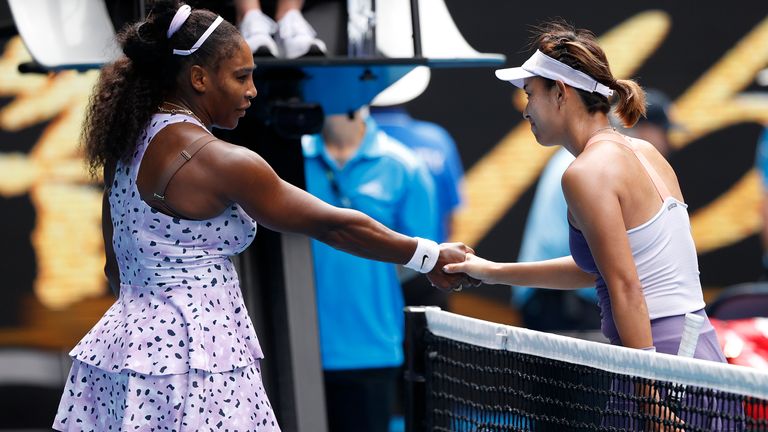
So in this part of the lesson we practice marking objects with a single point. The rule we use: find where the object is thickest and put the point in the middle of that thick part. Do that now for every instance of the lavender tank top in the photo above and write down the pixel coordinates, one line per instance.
(666, 261)
(180, 304)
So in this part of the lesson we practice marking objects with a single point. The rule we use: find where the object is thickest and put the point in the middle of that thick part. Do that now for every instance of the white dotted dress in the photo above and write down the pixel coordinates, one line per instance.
(176, 351)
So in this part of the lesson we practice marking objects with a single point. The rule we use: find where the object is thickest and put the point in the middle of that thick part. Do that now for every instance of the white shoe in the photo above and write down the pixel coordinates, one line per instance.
(297, 38)
(257, 30)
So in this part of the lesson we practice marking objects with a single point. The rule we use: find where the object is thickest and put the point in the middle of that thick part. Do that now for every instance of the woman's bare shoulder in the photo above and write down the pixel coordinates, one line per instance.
(226, 155)
(235, 170)
(597, 169)
(178, 135)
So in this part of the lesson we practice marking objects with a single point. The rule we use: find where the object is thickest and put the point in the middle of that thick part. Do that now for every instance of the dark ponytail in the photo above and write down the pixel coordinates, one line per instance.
(129, 90)
(631, 101)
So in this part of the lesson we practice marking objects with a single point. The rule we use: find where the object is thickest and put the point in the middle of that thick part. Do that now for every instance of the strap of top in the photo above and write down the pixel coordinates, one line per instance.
(661, 187)
(158, 196)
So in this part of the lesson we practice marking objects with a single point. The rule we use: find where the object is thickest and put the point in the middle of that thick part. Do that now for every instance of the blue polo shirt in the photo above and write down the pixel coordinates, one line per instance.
(435, 146)
(761, 160)
(359, 301)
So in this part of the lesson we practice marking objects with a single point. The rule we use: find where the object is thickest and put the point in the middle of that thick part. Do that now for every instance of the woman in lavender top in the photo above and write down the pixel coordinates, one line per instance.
(177, 350)
(629, 230)
(629, 227)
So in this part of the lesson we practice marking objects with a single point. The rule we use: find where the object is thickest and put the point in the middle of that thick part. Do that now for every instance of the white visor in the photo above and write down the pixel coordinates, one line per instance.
(545, 66)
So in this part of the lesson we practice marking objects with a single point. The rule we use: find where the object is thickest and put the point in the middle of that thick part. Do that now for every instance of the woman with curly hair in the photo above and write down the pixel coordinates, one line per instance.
(177, 350)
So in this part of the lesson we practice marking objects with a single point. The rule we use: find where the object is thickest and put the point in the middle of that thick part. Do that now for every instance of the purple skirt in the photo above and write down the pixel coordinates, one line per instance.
(667, 333)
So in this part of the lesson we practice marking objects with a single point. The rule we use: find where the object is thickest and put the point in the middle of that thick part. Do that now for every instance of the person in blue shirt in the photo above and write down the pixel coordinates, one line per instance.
(761, 164)
(546, 231)
(435, 146)
(353, 164)
(545, 237)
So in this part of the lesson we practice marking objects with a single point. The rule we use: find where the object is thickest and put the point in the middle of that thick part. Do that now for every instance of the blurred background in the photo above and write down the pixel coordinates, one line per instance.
(707, 56)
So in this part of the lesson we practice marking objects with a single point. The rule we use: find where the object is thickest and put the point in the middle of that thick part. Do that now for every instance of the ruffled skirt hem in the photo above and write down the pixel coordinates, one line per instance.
(97, 400)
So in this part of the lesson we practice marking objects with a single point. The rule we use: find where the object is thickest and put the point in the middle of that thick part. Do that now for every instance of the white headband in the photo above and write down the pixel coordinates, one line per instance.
(179, 19)
(202, 39)
(545, 66)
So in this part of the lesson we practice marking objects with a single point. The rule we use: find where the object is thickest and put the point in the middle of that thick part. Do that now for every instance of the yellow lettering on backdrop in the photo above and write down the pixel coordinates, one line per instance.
(713, 103)
(67, 233)
(497, 180)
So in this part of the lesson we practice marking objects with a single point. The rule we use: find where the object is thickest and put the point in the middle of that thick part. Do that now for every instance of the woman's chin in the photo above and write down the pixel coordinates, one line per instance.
(539, 139)
(544, 142)
(231, 124)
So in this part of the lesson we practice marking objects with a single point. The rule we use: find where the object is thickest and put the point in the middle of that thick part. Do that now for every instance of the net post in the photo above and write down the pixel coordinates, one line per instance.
(415, 381)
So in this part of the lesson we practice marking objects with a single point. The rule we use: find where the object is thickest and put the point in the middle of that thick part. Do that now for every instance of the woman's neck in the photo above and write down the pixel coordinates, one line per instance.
(200, 113)
(580, 130)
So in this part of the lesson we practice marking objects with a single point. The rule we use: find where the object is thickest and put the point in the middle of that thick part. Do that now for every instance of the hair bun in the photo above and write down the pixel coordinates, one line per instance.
(162, 7)
(144, 45)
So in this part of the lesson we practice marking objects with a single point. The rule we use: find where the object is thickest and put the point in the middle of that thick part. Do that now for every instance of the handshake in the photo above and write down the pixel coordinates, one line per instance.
(454, 268)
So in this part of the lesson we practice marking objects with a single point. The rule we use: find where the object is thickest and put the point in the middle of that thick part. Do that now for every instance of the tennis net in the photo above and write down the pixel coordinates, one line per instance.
(465, 374)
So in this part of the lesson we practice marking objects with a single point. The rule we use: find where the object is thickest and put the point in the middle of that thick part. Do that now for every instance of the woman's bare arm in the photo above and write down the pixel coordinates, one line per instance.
(558, 273)
(248, 179)
(595, 207)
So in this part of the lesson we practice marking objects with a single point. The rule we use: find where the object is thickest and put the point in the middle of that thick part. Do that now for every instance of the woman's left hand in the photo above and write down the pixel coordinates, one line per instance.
(478, 269)
(451, 253)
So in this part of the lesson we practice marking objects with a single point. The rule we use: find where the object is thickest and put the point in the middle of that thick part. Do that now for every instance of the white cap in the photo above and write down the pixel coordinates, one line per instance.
(407, 88)
(540, 64)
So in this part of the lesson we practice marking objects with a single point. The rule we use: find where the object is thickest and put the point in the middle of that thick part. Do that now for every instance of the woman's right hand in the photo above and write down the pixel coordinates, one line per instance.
(474, 267)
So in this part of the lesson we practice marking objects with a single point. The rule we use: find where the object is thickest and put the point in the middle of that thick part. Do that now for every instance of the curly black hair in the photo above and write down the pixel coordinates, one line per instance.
(130, 89)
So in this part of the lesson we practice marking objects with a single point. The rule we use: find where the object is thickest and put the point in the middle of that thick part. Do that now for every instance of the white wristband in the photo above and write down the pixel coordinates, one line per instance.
(425, 257)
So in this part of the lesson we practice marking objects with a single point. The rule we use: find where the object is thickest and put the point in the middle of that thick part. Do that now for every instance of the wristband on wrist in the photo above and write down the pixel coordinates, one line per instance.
(425, 256)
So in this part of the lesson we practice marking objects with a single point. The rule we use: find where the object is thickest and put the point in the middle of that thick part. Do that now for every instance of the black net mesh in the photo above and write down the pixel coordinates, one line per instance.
(470, 388)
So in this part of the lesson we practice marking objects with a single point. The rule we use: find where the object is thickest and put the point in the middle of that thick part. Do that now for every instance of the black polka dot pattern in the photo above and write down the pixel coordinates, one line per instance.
(95, 400)
(180, 316)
